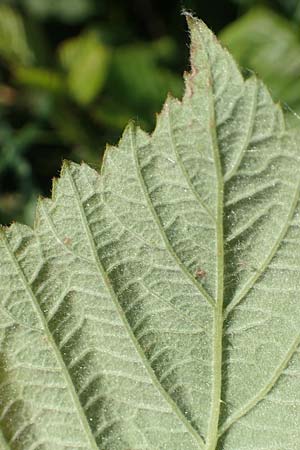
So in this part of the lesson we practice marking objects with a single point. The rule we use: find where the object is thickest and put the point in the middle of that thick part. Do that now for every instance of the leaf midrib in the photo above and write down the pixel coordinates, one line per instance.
(125, 322)
(212, 435)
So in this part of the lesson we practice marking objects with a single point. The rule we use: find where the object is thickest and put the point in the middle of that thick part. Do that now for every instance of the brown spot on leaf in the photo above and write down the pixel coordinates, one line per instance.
(200, 273)
(67, 241)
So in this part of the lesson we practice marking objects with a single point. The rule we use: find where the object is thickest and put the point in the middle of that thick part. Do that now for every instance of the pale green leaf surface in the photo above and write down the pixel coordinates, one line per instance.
(108, 338)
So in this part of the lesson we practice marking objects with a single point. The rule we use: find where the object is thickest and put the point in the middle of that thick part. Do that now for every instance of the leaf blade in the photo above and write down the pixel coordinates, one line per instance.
(42, 325)
(158, 279)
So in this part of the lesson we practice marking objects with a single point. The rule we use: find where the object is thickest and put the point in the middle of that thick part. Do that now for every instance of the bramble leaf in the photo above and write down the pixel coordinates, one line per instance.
(156, 306)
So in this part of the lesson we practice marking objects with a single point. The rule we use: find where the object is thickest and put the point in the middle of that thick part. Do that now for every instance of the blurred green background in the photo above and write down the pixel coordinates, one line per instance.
(74, 72)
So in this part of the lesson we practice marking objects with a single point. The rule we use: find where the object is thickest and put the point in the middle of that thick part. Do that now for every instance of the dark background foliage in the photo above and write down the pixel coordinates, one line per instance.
(74, 72)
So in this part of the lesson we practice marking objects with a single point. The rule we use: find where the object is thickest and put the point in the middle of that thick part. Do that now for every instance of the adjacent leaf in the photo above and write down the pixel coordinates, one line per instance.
(67, 10)
(138, 73)
(86, 60)
(14, 45)
(156, 306)
(40, 78)
(267, 43)
(291, 8)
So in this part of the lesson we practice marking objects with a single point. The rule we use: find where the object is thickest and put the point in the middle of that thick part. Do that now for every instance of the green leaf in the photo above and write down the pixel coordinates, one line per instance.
(291, 8)
(155, 306)
(40, 78)
(14, 44)
(138, 75)
(86, 61)
(267, 43)
(67, 10)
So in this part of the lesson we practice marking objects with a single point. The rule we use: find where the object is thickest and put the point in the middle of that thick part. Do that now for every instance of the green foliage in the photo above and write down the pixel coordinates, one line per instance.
(291, 8)
(14, 45)
(78, 70)
(67, 10)
(156, 305)
(76, 91)
(85, 60)
(268, 44)
(138, 76)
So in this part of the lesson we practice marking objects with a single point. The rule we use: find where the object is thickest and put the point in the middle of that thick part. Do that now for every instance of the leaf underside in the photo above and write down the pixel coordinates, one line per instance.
(156, 306)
